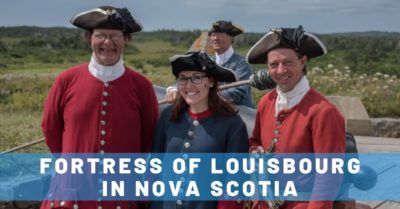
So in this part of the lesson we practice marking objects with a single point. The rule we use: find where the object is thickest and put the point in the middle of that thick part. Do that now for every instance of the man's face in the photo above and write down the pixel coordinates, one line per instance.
(107, 45)
(221, 42)
(285, 67)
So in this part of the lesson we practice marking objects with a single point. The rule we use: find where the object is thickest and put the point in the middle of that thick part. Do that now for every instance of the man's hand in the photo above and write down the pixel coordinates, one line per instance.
(171, 95)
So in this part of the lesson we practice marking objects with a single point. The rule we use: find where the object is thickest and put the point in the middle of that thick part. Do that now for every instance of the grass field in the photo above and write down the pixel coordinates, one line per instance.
(24, 86)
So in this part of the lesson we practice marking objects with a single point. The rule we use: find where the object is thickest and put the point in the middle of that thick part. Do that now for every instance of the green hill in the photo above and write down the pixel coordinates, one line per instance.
(362, 52)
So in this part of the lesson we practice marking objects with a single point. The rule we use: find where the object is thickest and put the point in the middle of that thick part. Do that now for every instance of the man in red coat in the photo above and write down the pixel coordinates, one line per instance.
(294, 118)
(101, 106)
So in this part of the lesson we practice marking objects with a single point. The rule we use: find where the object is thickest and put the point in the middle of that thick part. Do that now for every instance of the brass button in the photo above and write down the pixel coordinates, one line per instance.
(195, 122)
(190, 133)
(105, 94)
(179, 202)
(106, 84)
(102, 142)
(103, 122)
(104, 103)
(76, 206)
(101, 152)
(276, 132)
(103, 132)
(99, 207)
(118, 207)
(278, 122)
(103, 112)
(62, 203)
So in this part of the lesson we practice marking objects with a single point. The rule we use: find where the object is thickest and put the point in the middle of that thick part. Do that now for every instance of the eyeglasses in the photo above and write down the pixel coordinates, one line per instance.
(112, 37)
(286, 63)
(195, 79)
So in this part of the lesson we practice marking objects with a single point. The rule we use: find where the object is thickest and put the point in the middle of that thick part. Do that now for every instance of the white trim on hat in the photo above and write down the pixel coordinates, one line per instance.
(258, 42)
(173, 58)
(318, 41)
(280, 30)
(89, 11)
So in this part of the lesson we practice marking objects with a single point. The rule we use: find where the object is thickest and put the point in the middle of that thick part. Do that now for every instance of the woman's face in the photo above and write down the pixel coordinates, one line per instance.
(107, 45)
(194, 87)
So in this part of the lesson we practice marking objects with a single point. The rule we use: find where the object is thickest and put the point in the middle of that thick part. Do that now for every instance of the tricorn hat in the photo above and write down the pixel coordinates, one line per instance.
(107, 17)
(198, 61)
(222, 26)
(294, 38)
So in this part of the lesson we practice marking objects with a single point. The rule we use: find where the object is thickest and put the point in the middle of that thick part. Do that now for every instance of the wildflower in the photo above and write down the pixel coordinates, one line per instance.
(375, 79)
(330, 66)
(386, 76)
(315, 70)
(336, 72)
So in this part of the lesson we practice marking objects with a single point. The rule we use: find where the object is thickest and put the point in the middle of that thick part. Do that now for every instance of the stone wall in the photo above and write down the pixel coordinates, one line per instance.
(386, 127)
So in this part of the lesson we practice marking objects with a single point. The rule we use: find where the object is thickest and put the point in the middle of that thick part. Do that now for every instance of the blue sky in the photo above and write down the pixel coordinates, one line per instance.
(319, 16)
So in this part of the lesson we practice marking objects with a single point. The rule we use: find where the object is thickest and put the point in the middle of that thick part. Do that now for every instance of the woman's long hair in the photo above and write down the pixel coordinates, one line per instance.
(216, 104)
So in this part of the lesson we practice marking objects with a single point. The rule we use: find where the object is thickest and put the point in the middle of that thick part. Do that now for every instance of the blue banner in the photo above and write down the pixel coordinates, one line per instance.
(188, 176)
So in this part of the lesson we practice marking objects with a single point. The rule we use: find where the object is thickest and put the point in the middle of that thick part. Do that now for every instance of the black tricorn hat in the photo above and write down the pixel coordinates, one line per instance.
(198, 61)
(107, 17)
(294, 38)
(222, 26)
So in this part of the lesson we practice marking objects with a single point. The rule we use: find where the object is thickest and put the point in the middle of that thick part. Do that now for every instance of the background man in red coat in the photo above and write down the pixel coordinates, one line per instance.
(101, 106)
(295, 118)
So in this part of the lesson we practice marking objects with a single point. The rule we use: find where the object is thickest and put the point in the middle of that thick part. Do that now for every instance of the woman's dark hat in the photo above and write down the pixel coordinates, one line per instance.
(107, 17)
(227, 27)
(197, 61)
(293, 38)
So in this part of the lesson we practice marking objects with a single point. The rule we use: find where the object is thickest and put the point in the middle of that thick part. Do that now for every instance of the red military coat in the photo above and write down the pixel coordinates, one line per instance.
(83, 114)
(312, 126)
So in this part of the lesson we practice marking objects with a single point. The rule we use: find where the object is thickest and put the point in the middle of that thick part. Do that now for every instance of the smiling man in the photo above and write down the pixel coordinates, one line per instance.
(102, 106)
(222, 34)
(295, 118)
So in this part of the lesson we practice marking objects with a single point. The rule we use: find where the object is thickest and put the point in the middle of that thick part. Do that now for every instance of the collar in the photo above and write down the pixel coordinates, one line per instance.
(221, 59)
(293, 97)
(199, 116)
(106, 73)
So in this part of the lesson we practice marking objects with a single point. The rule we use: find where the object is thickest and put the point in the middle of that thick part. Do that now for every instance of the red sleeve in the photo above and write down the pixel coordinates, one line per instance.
(230, 205)
(328, 137)
(328, 131)
(150, 115)
(52, 121)
(255, 139)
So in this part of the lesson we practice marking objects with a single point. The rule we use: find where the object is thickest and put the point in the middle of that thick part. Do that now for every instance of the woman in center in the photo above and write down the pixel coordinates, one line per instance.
(200, 120)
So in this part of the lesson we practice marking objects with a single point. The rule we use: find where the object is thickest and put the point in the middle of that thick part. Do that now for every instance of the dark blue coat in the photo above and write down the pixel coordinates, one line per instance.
(240, 95)
(214, 134)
